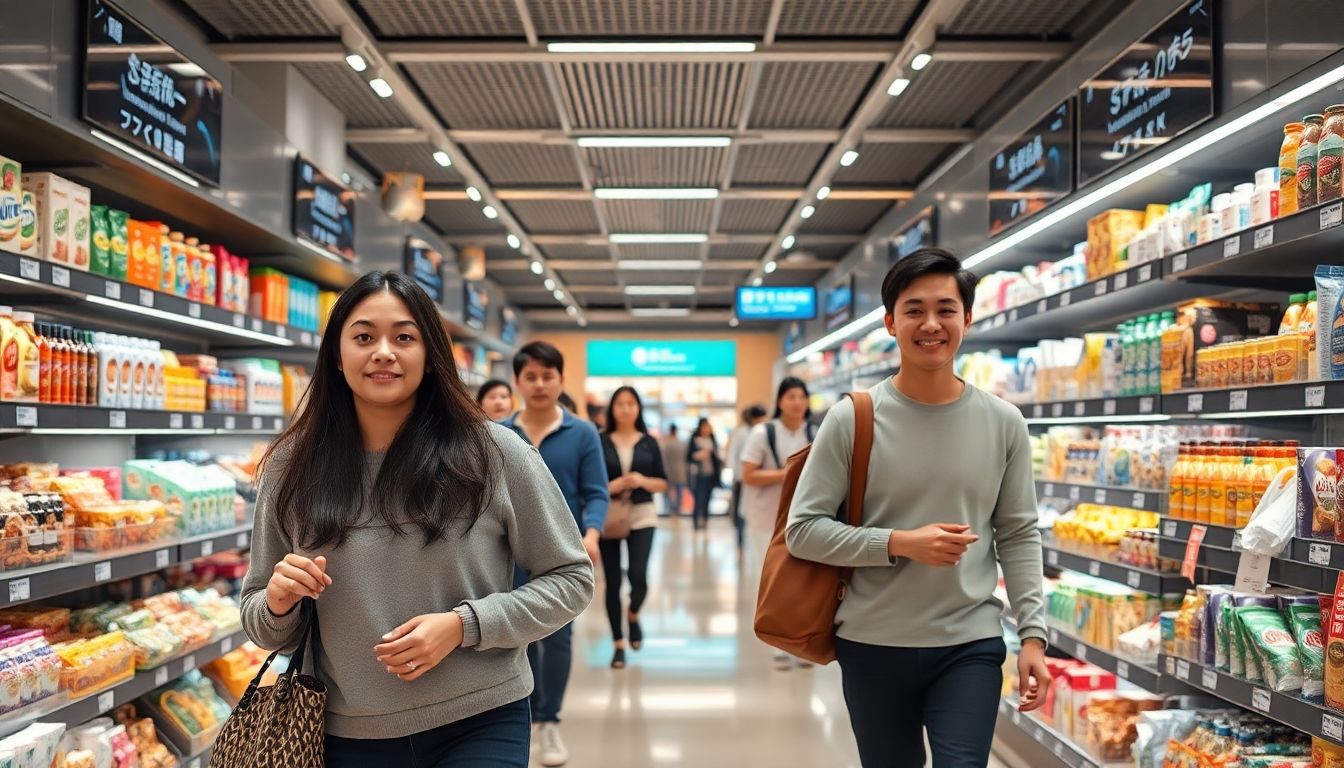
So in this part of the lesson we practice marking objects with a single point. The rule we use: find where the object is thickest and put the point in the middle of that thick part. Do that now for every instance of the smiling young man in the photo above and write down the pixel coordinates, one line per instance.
(950, 500)
(572, 451)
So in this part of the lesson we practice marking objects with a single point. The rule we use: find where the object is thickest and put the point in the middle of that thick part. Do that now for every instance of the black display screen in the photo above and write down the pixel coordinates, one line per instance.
(1033, 171)
(475, 304)
(920, 233)
(425, 266)
(1156, 90)
(324, 211)
(508, 326)
(141, 90)
(840, 304)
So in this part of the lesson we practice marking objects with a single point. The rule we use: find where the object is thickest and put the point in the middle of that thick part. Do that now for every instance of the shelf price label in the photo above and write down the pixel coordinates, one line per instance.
(1209, 679)
(1332, 216)
(102, 572)
(25, 416)
(60, 276)
(1099, 496)
(1264, 237)
(1122, 669)
(20, 590)
(1261, 700)
(1171, 665)
(238, 320)
(116, 419)
(31, 270)
(1054, 637)
(278, 425)
(1236, 401)
(283, 333)
(1195, 403)
(1012, 318)
(1145, 405)
(1140, 501)
(1037, 411)
(256, 423)
(1121, 281)
(207, 548)
(230, 422)
(1079, 408)
(1042, 306)
(1314, 396)
(194, 310)
(1332, 726)
(226, 645)
(1075, 493)
(1183, 670)
(1179, 262)
(1059, 749)
(258, 325)
(146, 297)
(1134, 579)
(1100, 289)
(197, 421)
(112, 290)
(1108, 408)
(161, 559)
(1094, 568)
(160, 677)
(188, 663)
(107, 700)
(1049, 490)
(1065, 299)
(1145, 273)
(1169, 529)
(1232, 247)
(1057, 410)
(240, 541)
(306, 338)
(1052, 557)
(1319, 554)
(175, 421)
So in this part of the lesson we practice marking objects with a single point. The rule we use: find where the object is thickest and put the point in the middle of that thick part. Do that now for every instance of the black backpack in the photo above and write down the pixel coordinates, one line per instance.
(774, 446)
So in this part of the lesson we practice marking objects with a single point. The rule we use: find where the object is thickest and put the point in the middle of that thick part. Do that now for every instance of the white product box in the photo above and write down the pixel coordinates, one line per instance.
(51, 193)
(80, 227)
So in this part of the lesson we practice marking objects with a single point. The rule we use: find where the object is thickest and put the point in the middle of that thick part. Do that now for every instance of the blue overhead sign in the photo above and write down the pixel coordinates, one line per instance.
(662, 358)
(776, 303)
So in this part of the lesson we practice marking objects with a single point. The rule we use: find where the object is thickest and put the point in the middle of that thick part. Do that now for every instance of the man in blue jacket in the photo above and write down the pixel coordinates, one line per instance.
(573, 451)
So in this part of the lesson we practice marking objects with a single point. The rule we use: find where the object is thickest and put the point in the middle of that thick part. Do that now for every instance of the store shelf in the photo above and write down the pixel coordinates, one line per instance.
(1059, 555)
(88, 570)
(1146, 406)
(1039, 744)
(1134, 498)
(878, 370)
(1284, 251)
(1312, 719)
(200, 759)
(205, 545)
(1275, 400)
(1304, 564)
(1147, 678)
(54, 419)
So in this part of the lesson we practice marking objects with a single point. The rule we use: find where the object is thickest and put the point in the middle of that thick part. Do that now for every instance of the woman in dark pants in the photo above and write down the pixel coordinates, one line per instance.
(702, 454)
(635, 468)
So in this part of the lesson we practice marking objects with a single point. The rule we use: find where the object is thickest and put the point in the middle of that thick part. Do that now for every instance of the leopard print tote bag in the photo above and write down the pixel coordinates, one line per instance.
(281, 726)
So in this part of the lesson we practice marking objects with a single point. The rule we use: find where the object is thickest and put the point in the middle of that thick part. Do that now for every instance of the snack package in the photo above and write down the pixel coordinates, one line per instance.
(100, 241)
(118, 223)
(1329, 363)
(1304, 619)
(78, 231)
(1271, 642)
(51, 194)
(1317, 493)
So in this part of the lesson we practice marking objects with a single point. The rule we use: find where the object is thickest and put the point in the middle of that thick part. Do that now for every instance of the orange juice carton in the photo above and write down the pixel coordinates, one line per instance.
(51, 196)
(79, 230)
(11, 205)
(142, 267)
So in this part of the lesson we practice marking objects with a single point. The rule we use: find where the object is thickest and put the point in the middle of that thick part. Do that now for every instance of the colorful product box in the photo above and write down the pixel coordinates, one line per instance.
(1108, 233)
(142, 267)
(80, 226)
(28, 225)
(51, 198)
(1205, 323)
(11, 205)
(203, 498)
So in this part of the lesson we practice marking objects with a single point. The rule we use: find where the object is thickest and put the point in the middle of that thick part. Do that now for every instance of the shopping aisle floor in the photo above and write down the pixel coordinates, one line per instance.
(702, 692)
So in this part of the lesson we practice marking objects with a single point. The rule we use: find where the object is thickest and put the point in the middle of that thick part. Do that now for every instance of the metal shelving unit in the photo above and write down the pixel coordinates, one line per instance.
(1039, 744)
(1134, 498)
(1059, 555)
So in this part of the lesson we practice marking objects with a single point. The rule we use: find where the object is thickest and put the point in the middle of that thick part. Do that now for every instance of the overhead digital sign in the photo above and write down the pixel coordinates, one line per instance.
(840, 304)
(920, 233)
(324, 211)
(425, 266)
(776, 303)
(1033, 171)
(475, 304)
(662, 358)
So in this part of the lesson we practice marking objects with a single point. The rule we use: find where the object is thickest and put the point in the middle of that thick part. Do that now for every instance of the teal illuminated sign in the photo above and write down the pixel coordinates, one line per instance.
(662, 358)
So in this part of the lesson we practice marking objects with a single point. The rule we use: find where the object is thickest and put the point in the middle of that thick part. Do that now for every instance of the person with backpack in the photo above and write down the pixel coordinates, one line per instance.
(764, 461)
(702, 455)
(737, 443)
(949, 500)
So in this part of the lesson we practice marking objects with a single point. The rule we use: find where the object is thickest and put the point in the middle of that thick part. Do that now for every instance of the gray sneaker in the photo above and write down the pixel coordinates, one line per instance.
(553, 752)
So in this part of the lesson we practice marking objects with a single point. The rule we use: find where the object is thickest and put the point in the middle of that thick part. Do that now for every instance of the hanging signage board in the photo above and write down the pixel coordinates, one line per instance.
(1159, 88)
(1032, 171)
(776, 303)
(324, 211)
(840, 304)
(143, 91)
(793, 338)
(508, 326)
(662, 358)
(425, 266)
(475, 304)
(920, 233)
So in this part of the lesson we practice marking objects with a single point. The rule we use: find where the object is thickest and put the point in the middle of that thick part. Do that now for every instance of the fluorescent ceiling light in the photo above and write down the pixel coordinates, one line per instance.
(536, 267)
(823, 193)
(572, 311)
(144, 158)
(189, 321)
(514, 242)
(807, 211)
(442, 158)
(670, 265)
(650, 47)
(380, 87)
(861, 324)
(633, 238)
(550, 284)
(356, 62)
(660, 312)
(490, 212)
(652, 193)
(787, 242)
(757, 281)
(898, 86)
(644, 142)
(849, 157)
(583, 322)
(921, 61)
(474, 194)
(1127, 180)
(770, 267)
(558, 294)
(733, 322)
(660, 290)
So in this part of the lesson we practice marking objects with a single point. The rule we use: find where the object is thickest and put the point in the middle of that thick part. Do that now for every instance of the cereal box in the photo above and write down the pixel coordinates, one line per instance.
(79, 230)
(28, 228)
(11, 205)
(51, 193)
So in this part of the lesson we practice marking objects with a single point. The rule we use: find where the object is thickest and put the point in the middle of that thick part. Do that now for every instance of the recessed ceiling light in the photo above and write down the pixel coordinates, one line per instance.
(649, 47)
(660, 312)
(490, 212)
(757, 281)
(641, 142)
(583, 322)
(634, 238)
(558, 294)
(921, 61)
(898, 86)
(651, 193)
(514, 242)
(732, 322)
(788, 242)
(823, 193)
(474, 194)
(667, 265)
(442, 158)
(380, 87)
(849, 157)
(536, 268)
(356, 62)
(807, 211)
(770, 267)
(659, 290)
(572, 311)
(550, 284)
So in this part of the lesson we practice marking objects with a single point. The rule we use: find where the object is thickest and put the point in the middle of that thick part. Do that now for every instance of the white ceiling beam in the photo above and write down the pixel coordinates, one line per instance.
(750, 136)
(597, 239)
(599, 265)
(442, 192)
(525, 16)
(772, 22)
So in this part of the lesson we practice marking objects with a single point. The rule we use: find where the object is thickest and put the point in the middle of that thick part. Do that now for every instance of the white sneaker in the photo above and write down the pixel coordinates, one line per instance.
(553, 752)
(783, 661)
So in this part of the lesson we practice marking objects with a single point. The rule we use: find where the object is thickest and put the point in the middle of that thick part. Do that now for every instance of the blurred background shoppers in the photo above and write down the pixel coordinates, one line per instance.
(674, 462)
(702, 454)
(495, 398)
(737, 444)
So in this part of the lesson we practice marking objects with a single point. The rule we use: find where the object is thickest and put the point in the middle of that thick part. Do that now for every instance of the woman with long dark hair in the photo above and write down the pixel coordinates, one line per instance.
(702, 454)
(496, 398)
(394, 511)
(635, 468)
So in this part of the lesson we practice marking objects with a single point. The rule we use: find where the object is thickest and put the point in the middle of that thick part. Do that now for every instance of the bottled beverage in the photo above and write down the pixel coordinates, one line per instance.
(1204, 481)
(1292, 317)
(1329, 153)
(137, 357)
(1176, 488)
(80, 377)
(43, 362)
(1128, 359)
(1152, 361)
(1265, 468)
(127, 363)
(109, 371)
(91, 375)
(1292, 140)
(1306, 160)
(1243, 486)
(1219, 478)
(60, 365)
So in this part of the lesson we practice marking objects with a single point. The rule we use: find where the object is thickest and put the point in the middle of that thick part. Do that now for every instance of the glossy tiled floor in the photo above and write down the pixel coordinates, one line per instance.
(702, 692)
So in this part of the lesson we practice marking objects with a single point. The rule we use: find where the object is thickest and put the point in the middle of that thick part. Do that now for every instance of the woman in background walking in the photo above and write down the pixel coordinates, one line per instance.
(674, 462)
(703, 454)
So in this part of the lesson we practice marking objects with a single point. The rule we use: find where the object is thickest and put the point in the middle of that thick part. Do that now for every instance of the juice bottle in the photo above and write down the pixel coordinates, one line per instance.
(169, 244)
(1306, 326)
(30, 366)
(1234, 374)
(43, 363)
(1176, 486)
(210, 272)
(79, 367)
(1204, 482)
(1306, 160)
(1264, 469)
(109, 371)
(9, 355)
(1297, 303)
(137, 357)
(1329, 154)
(195, 270)
(59, 364)
(1292, 140)
(1245, 486)
(93, 373)
(72, 373)
(127, 363)
(1218, 481)
(1127, 358)
(87, 362)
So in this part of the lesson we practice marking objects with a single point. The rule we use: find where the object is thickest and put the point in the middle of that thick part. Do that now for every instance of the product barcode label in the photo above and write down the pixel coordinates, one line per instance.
(1100, 289)
(1079, 408)
(283, 332)
(1315, 396)
(1264, 236)
(278, 425)
(226, 645)
(1145, 273)
(1261, 700)
(238, 320)
(1066, 298)
(1169, 529)
(1057, 410)
(1332, 215)
(1232, 246)
(1099, 496)
(1195, 403)
(60, 276)
(19, 591)
(1122, 669)
(1037, 411)
(160, 677)
(1210, 679)
(240, 541)
(161, 558)
(188, 663)
(1171, 665)
(1122, 281)
(197, 421)
(175, 421)
(1145, 405)
(194, 310)
(1140, 501)
(1075, 493)
(31, 270)
(1179, 262)
(1012, 318)
(1183, 670)
(1094, 568)
(102, 572)
(256, 422)
(1080, 651)
(1236, 401)
(230, 422)
(1108, 408)
(207, 548)
(1332, 726)
(1052, 557)
(25, 416)
(146, 297)
(1134, 579)
(257, 325)
(1319, 554)
(1049, 490)
(112, 290)
(107, 700)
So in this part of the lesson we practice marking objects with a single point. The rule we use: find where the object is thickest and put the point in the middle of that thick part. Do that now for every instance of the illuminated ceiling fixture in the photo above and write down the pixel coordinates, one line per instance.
(583, 322)
(380, 87)
(660, 290)
(572, 311)
(667, 265)
(649, 47)
(732, 322)
(558, 294)
(669, 193)
(788, 242)
(474, 194)
(356, 62)
(849, 157)
(514, 242)
(536, 268)
(550, 284)
(756, 282)
(442, 158)
(898, 86)
(661, 312)
(632, 238)
(646, 142)
(921, 61)
(823, 193)
(807, 211)
(770, 267)
(490, 212)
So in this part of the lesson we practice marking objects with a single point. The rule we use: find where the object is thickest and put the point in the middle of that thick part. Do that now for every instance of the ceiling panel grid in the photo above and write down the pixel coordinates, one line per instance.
(949, 95)
(1017, 18)
(728, 277)
(460, 217)
(348, 92)
(574, 277)
(606, 18)
(846, 18)
(657, 251)
(263, 18)
(776, 164)
(595, 253)
(442, 18)
(526, 165)
(660, 277)
(656, 167)
(416, 158)
(736, 251)
(891, 165)
(753, 215)
(669, 95)
(487, 95)
(810, 94)
(657, 215)
(555, 217)
(846, 216)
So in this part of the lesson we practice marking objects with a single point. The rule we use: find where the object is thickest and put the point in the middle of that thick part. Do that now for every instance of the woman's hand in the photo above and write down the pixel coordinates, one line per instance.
(635, 480)
(293, 579)
(420, 644)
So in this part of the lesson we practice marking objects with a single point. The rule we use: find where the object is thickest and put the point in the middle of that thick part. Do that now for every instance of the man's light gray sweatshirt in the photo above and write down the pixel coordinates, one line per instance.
(380, 580)
(966, 462)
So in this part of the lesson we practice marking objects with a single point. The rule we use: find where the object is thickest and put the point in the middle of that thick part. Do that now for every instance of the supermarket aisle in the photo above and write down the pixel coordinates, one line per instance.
(702, 691)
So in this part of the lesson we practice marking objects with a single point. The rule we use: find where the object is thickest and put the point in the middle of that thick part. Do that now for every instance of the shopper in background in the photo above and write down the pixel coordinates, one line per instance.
(737, 444)
(767, 450)
(495, 398)
(398, 507)
(702, 454)
(572, 450)
(635, 472)
(950, 501)
(674, 461)
(567, 402)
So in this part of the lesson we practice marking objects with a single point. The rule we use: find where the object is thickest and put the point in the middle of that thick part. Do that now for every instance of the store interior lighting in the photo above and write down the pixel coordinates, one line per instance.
(652, 47)
(356, 62)
(898, 86)
(757, 282)
(652, 142)
(661, 312)
(657, 238)
(381, 87)
(660, 290)
(442, 158)
(143, 157)
(807, 211)
(474, 194)
(558, 294)
(849, 157)
(661, 265)
(514, 242)
(669, 193)
(550, 284)
(788, 242)
(770, 267)
(536, 268)
(490, 212)
(733, 322)
(193, 322)
(823, 193)
(921, 61)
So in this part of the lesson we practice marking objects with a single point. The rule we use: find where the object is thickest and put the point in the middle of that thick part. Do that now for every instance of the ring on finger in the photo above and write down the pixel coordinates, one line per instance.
(411, 665)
